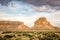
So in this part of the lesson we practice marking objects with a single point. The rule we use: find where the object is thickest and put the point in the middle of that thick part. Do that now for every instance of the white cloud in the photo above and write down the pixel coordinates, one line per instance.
(45, 8)
(14, 5)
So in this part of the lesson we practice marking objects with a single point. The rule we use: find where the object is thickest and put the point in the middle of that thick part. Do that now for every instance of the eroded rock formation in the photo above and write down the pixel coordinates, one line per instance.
(12, 26)
(43, 25)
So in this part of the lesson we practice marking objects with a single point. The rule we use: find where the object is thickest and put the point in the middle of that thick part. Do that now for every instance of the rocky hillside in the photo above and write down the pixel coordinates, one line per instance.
(43, 25)
(12, 26)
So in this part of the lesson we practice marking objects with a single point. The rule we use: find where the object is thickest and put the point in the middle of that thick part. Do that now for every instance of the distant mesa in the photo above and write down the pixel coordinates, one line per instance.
(40, 24)
(12, 26)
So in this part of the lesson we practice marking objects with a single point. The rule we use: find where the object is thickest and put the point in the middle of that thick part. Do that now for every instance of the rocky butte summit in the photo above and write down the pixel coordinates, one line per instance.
(43, 25)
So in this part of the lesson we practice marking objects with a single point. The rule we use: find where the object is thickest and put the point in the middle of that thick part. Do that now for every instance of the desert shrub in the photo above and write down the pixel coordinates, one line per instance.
(1, 38)
(6, 32)
(26, 34)
(8, 36)
(18, 38)
(30, 36)
(48, 36)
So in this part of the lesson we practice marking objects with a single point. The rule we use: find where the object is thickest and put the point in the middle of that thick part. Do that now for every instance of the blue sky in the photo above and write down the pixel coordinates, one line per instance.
(28, 13)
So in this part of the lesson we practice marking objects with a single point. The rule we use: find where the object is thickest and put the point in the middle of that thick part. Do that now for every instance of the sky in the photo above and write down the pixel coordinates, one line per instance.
(28, 11)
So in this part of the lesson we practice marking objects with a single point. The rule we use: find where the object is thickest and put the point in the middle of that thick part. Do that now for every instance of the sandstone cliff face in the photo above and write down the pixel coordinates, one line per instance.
(23, 27)
(12, 26)
(43, 24)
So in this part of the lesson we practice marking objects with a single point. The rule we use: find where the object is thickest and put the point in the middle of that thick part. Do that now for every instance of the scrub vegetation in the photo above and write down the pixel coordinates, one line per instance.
(29, 35)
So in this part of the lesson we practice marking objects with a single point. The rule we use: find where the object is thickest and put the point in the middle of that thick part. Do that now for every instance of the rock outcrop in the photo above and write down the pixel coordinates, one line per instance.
(12, 26)
(43, 25)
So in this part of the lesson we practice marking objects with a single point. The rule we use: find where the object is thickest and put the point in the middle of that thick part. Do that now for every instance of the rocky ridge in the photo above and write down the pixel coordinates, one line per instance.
(40, 24)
